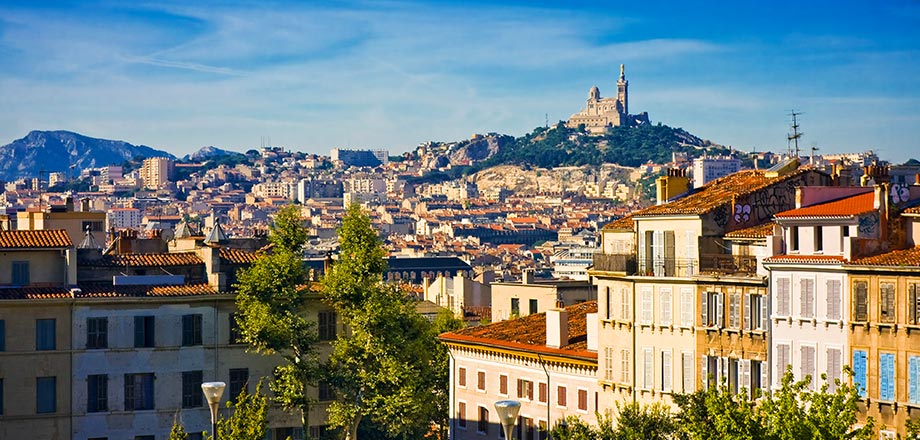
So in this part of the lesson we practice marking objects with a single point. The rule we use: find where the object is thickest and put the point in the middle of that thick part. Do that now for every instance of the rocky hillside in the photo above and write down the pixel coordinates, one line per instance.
(210, 152)
(527, 180)
(56, 151)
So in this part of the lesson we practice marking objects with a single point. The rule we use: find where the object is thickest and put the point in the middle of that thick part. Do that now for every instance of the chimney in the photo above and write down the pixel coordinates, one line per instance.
(557, 328)
(798, 197)
(671, 185)
(68, 204)
(881, 203)
(527, 276)
(84, 204)
(591, 327)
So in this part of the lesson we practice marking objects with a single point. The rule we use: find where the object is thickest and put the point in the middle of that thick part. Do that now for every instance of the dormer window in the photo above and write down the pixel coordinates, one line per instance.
(794, 238)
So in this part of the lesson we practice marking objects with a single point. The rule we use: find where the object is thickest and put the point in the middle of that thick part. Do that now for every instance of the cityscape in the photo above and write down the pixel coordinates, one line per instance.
(609, 226)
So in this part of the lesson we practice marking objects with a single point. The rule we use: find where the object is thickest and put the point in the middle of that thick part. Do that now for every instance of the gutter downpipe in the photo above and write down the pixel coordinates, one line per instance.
(548, 405)
(453, 395)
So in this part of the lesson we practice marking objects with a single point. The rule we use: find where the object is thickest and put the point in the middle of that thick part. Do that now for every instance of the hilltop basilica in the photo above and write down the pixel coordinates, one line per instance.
(602, 113)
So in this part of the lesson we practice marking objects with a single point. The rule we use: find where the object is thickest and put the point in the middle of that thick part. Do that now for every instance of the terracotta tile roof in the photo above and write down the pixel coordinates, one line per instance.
(846, 207)
(35, 293)
(106, 290)
(760, 231)
(621, 224)
(238, 256)
(912, 210)
(904, 258)
(50, 239)
(819, 259)
(529, 333)
(146, 260)
(720, 192)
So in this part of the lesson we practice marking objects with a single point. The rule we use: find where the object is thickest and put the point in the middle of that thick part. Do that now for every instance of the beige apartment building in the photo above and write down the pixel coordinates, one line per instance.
(157, 171)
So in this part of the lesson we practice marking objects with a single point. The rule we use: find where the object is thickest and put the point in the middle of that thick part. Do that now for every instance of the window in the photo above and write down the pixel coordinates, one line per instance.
(624, 304)
(913, 305)
(844, 233)
(887, 311)
(666, 370)
(808, 364)
(461, 415)
(648, 368)
(647, 300)
(145, 437)
(97, 333)
(325, 391)
(20, 276)
(326, 325)
(860, 364)
(860, 301)
(139, 391)
(819, 239)
(625, 359)
(734, 310)
(482, 426)
(583, 400)
(608, 301)
(913, 380)
(191, 389)
(807, 298)
(686, 307)
(782, 296)
(46, 395)
(689, 383)
(461, 376)
(783, 360)
(755, 312)
(794, 238)
(481, 380)
(144, 331)
(293, 433)
(515, 307)
(320, 431)
(833, 300)
(97, 393)
(834, 368)
(525, 389)
(758, 376)
(2, 335)
(561, 396)
(1, 396)
(608, 363)
(732, 374)
(45, 334)
(236, 336)
(191, 329)
(533, 306)
(886, 376)
(664, 305)
(239, 380)
(542, 392)
(712, 309)
(503, 384)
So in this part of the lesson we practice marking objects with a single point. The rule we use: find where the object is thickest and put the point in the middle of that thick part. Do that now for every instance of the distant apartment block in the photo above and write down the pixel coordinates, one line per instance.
(360, 158)
(156, 171)
(707, 169)
(124, 218)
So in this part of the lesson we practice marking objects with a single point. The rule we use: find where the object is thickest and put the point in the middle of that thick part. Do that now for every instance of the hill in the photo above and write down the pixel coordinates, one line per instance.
(56, 151)
(207, 153)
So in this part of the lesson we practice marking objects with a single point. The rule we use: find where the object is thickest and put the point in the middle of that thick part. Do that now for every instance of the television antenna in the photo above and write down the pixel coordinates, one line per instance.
(796, 134)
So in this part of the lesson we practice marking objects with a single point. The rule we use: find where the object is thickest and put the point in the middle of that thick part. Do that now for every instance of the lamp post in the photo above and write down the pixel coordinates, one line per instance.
(213, 392)
(507, 413)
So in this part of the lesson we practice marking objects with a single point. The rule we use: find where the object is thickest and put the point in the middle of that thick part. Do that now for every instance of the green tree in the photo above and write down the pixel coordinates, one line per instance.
(573, 428)
(381, 368)
(249, 420)
(717, 413)
(445, 321)
(912, 428)
(272, 297)
(178, 431)
(638, 422)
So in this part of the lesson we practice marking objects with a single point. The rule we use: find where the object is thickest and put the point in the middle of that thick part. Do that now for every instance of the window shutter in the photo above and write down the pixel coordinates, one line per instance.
(647, 305)
(861, 292)
(745, 376)
(664, 305)
(808, 364)
(747, 317)
(764, 375)
(686, 307)
(720, 310)
(764, 313)
(643, 265)
(704, 370)
(625, 296)
(138, 331)
(913, 306)
(691, 252)
(859, 371)
(886, 381)
(688, 379)
(658, 253)
(913, 379)
(648, 379)
(782, 296)
(669, 261)
(666, 371)
(704, 310)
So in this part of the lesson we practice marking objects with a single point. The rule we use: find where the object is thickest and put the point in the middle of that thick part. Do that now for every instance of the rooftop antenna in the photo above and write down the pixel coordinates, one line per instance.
(796, 134)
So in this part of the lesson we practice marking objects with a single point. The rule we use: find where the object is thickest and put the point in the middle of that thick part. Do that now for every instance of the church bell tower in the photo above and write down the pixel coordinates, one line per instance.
(622, 89)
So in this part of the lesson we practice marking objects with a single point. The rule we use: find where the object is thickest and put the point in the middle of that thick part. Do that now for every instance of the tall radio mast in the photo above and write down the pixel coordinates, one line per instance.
(796, 134)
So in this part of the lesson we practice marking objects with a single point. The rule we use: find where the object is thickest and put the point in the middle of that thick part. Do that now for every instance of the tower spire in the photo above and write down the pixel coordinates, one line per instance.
(622, 72)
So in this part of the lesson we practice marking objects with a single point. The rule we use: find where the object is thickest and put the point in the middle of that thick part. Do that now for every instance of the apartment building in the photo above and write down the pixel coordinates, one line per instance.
(547, 361)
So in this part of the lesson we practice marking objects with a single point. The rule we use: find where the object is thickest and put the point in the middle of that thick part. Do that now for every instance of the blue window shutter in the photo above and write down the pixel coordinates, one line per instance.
(859, 371)
(886, 379)
(913, 379)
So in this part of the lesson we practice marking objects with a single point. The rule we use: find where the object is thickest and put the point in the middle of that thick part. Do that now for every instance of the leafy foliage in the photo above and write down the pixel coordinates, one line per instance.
(271, 299)
(178, 431)
(249, 420)
(387, 369)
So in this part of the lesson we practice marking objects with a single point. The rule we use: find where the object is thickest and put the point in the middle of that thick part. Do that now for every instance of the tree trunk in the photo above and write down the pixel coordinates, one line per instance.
(353, 429)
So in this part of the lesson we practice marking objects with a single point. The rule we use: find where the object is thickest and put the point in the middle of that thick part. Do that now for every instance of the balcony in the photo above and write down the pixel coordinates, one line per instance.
(676, 267)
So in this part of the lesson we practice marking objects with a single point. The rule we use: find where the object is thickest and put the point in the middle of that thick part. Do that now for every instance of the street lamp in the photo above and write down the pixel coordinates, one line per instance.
(507, 413)
(213, 392)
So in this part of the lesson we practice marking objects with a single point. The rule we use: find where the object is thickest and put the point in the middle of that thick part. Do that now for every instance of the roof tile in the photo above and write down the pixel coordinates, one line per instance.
(903, 258)
(845, 207)
(47, 239)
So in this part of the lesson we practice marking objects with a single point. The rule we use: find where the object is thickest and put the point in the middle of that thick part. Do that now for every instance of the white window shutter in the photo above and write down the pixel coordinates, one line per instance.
(745, 379)
(704, 310)
(704, 370)
(720, 310)
(764, 313)
(748, 321)
(666, 371)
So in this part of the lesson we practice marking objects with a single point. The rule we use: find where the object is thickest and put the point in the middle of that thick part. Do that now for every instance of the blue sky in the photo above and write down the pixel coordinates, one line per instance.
(391, 74)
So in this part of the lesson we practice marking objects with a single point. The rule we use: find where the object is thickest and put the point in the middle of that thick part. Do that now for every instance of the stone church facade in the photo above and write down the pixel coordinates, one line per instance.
(600, 114)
